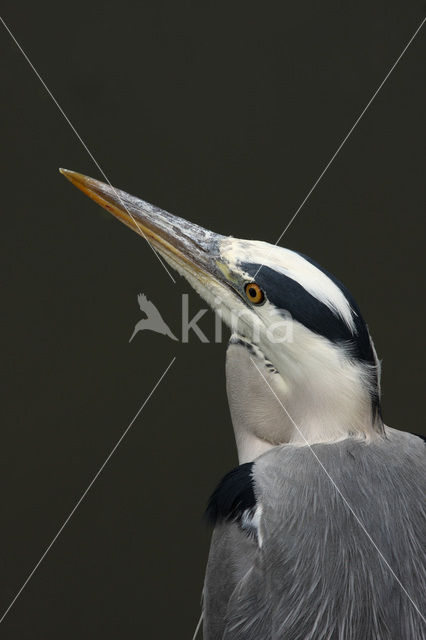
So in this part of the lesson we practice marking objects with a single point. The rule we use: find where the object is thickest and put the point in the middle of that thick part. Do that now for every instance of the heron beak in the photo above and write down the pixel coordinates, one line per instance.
(188, 247)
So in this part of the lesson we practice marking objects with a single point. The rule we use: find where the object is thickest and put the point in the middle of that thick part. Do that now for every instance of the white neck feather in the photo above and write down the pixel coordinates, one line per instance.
(317, 395)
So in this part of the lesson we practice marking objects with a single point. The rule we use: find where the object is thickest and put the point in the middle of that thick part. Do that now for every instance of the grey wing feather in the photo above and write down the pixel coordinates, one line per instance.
(318, 575)
(231, 556)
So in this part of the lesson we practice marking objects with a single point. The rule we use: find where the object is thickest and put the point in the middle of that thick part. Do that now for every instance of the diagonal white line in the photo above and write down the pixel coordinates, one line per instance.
(198, 627)
(83, 143)
(343, 498)
(345, 139)
(85, 492)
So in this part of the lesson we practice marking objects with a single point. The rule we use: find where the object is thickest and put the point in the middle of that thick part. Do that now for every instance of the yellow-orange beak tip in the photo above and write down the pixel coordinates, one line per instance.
(173, 237)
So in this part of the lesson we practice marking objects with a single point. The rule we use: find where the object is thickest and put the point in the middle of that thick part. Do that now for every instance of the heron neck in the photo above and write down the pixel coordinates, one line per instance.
(300, 406)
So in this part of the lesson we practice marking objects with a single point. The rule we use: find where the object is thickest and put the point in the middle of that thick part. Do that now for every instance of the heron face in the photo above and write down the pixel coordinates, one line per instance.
(303, 320)
(299, 292)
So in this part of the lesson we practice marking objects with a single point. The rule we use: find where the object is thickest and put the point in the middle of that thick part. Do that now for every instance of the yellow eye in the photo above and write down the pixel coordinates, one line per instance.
(254, 293)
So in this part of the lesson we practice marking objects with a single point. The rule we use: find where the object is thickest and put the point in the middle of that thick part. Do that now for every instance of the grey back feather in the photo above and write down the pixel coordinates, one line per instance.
(317, 576)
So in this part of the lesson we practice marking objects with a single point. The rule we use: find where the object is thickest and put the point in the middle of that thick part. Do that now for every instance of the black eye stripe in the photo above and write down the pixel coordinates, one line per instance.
(287, 294)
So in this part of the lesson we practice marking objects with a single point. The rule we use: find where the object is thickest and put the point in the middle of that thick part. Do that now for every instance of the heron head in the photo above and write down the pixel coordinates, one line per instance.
(297, 323)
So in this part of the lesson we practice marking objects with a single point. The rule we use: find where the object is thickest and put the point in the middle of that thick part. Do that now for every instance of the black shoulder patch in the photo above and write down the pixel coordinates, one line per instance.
(233, 496)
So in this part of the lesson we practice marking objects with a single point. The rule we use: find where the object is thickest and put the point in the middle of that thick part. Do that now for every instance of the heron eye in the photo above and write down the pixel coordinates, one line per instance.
(254, 293)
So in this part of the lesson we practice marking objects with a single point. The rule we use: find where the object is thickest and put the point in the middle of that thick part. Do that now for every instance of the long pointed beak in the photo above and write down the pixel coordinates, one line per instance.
(186, 246)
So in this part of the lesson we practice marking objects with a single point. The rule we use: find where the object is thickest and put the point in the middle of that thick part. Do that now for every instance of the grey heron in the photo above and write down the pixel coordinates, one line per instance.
(319, 532)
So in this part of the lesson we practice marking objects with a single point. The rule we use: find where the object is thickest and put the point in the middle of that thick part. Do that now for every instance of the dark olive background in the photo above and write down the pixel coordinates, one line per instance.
(224, 114)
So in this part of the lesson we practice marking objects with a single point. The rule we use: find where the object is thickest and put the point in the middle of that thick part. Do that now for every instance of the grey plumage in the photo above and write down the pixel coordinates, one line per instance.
(317, 575)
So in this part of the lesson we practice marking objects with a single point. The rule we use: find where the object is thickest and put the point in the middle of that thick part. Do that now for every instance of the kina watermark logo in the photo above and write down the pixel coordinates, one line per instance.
(279, 330)
(153, 320)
